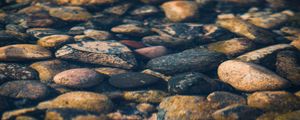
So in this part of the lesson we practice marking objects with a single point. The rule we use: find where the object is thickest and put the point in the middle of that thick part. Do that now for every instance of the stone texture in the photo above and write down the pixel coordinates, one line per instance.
(110, 53)
(145, 96)
(80, 100)
(78, 78)
(222, 99)
(86, 2)
(131, 29)
(54, 41)
(23, 52)
(153, 51)
(14, 71)
(188, 60)
(31, 89)
(68, 114)
(132, 80)
(14, 113)
(250, 77)
(110, 71)
(237, 112)
(278, 101)
(70, 13)
(98, 34)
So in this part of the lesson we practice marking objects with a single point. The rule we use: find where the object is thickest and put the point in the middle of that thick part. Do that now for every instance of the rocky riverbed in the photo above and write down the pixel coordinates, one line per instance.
(150, 59)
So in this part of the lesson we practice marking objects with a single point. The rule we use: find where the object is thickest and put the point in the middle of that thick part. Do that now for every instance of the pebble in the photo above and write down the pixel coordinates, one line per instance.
(10, 37)
(70, 13)
(232, 47)
(121, 116)
(287, 66)
(276, 101)
(289, 116)
(86, 2)
(30, 89)
(221, 99)
(132, 80)
(24, 52)
(78, 78)
(257, 56)
(43, 32)
(145, 96)
(145, 10)
(53, 42)
(113, 54)
(80, 100)
(71, 114)
(153, 51)
(193, 83)
(19, 112)
(296, 44)
(49, 68)
(145, 108)
(98, 34)
(250, 77)
(237, 112)
(14, 71)
(246, 29)
(119, 9)
(131, 29)
(178, 11)
(133, 44)
(156, 74)
(188, 60)
(110, 71)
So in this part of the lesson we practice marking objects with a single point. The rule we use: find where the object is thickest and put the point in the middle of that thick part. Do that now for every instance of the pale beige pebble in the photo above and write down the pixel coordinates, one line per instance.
(98, 34)
(85, 2)
(14, 113)
(296, 44)
(153, 51)
(23, 52)
(257, 55)
(275, 101)
(145, 107)
(81, 100)
(148, 96)
(120, 116)
(110, 71)
(250, 77)
(178, 11)
(54, 41)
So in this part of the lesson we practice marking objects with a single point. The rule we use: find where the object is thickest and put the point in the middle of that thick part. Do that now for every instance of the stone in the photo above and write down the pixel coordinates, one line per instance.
(70, 13)
(145, 108)
(250, 77)
(23, 52)
(156, 74)
(145, 10)
(289, 116)
(120, 9)
(189, 60)
(74, 114)
(153, 51)
(111, 53)
(110, 71)
(132, 80)
(259, 55)
(14, 71)
(193, 83)
(232, 47)
(86, 2)
(183, 108)
(287, 66)
(246, 29)
(131, 29)
(25, 118)
(48, 69)
(43, 32)
(25, 89)
(133, 44)
(145, 96)
(98, 34)
(53, 42)
(296, 44)
(80, 100)
(78, 78)
(15, 113)
(121, 116)
(237, 112)
(268, 20)
(276, 101)
(268, 116)
(10, 37)
(178, 11)
(222, 99)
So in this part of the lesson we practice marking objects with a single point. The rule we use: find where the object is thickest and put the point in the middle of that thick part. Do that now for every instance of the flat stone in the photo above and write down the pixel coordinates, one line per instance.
(68, 114)
(131, 29)
(86, 2)
(98, 34)
(189, 60)
(78, 78)
(30, 89)
(246, 29)
(145, 10)
(237, 112)
(107, 53)
(110, 71)
(70, 13)
(221, 99)
(132, 80)
(145, 96)
(80, 100)
(250, 77)
(43, 32)
(289, 116)
(14, 71)
(54, 41)
(23, 52)
(153, 51)
(15, 113)
(48, 69)
(277, 101)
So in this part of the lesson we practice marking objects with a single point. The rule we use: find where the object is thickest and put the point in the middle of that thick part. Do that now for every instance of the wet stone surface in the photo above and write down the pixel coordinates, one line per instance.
(149, 59)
